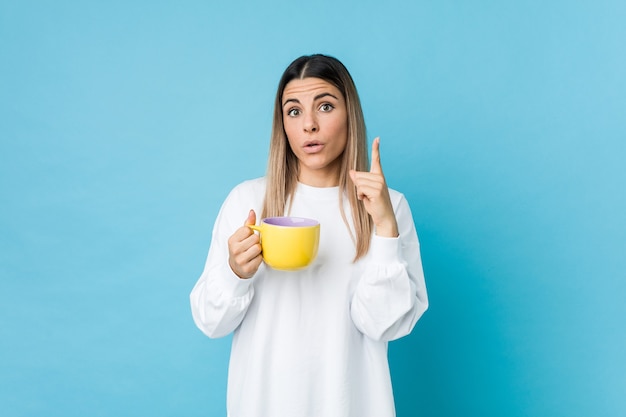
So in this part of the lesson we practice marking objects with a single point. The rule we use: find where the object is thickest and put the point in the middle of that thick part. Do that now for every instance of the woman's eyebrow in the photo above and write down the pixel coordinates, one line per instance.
(317, 97)
(322, 95)
(291, 100)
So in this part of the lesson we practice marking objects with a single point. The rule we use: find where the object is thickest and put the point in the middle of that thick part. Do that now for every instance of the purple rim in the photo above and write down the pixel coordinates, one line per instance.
(290, 221)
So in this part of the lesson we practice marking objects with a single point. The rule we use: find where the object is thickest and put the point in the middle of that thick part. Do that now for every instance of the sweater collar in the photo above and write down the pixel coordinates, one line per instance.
(321, 193)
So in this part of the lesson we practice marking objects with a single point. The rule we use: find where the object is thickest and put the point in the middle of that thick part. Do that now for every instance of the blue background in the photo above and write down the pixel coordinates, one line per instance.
(123, 125)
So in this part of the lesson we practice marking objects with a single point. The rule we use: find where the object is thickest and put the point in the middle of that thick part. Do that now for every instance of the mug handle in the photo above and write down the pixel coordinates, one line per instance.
(254, 227)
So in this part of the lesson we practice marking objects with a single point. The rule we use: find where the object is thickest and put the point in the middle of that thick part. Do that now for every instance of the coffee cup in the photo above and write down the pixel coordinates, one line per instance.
(288, 243)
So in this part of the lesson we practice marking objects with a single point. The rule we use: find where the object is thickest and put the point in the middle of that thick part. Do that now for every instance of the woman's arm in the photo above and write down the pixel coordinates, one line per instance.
(220, 298)
(391, 294)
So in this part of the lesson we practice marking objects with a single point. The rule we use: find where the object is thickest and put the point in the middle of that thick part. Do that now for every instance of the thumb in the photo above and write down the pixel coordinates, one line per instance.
(251, 218)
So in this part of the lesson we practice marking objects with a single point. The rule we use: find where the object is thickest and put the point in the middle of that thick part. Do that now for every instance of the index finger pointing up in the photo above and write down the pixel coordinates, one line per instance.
(375, 167)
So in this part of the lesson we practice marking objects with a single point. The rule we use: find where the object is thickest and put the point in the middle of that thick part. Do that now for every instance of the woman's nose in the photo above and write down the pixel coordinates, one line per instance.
(310, 124)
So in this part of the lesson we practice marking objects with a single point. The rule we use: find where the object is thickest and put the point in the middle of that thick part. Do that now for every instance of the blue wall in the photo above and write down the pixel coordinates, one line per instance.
(123, 125)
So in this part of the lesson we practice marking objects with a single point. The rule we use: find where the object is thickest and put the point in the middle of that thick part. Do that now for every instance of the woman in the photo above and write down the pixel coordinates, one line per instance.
(314, 342)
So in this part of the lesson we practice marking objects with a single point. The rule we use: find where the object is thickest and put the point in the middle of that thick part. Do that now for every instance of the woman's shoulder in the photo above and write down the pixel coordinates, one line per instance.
(251, 185)
(252, 189)
(400, 206)
(244, 196)
(396, 197)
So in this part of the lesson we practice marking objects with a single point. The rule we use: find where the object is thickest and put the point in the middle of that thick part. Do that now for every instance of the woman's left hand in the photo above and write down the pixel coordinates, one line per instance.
(371, 188)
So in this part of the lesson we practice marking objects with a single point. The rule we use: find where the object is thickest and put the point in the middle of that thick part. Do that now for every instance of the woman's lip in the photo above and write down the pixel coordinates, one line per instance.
(313, 147)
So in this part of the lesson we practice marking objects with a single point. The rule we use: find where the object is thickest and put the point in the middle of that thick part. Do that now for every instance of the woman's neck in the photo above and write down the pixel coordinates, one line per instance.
(320, 181)
(322, 178)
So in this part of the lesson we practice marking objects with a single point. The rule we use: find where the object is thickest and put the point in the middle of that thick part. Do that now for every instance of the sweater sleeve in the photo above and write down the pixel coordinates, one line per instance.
(391, 294)
(220, 299)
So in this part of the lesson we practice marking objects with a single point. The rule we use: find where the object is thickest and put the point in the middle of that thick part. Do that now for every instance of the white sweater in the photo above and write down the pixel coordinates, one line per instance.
(313, 342)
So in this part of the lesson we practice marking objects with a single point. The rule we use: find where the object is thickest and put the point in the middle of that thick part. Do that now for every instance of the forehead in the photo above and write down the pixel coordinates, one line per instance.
(309, 86)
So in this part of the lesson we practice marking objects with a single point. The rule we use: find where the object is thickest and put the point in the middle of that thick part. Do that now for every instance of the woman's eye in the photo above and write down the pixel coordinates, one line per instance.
(293, 112)
(326, 107)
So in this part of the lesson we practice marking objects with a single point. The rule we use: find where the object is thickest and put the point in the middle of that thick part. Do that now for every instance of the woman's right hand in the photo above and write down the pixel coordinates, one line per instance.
(244, 249)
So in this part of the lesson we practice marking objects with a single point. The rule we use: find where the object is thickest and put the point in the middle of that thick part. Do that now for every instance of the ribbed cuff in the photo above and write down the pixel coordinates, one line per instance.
(233, 284)
(385, 250)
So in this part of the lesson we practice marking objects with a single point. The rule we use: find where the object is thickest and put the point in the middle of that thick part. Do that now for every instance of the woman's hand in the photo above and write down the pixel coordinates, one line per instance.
(371, 188)
(244, 250)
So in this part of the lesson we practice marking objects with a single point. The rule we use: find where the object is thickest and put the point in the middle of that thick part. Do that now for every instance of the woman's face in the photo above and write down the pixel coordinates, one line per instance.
(315, 119)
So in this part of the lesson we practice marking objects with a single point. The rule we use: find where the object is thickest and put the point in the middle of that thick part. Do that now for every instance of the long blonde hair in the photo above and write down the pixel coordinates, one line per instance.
(283, 168)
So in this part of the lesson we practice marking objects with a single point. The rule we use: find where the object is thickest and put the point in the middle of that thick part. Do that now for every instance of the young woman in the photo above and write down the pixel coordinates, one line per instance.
(313, 342)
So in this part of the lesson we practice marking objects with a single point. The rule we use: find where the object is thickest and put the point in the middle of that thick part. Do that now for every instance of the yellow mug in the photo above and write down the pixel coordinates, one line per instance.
(288, 243)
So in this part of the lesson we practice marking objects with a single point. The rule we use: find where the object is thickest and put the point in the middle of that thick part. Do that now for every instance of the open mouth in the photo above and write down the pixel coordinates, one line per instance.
(313, 146)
